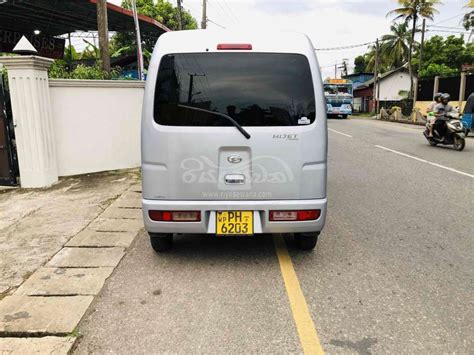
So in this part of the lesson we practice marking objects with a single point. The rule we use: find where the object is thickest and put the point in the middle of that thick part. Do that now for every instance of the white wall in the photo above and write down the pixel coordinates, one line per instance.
(391, 86)
(96, 124)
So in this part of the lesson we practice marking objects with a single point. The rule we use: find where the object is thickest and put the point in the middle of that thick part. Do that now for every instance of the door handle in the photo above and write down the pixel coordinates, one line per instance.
(235, 179)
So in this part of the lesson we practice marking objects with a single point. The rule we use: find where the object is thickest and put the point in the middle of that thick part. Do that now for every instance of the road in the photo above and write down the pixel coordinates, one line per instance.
(392, 272)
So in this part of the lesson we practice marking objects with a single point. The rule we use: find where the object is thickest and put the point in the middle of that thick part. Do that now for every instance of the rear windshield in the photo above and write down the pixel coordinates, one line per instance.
(255, 89)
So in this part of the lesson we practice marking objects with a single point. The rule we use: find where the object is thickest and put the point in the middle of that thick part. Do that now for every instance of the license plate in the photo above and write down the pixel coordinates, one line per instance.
(234, 223)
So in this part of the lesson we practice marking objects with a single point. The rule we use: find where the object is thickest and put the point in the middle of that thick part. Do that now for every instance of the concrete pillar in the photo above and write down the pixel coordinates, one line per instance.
(31, 110)
(462, 89)
(415, 99)
(436, 85)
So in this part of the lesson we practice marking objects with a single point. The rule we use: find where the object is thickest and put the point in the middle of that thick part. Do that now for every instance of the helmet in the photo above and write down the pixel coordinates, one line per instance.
(446, 97)
(437, 95)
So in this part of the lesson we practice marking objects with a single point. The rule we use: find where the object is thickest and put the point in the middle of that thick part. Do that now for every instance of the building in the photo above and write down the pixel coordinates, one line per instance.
(358, 78)
(394, 86)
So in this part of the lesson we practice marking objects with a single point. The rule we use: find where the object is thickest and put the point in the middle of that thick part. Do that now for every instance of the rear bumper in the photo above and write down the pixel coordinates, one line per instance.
(260, 209)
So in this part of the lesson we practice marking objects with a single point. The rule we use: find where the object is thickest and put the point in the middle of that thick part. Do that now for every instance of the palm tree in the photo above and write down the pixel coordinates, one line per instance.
(396, 45)
(412, 10)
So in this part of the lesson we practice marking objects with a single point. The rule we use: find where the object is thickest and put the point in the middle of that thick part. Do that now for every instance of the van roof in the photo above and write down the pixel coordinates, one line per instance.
(193, 41)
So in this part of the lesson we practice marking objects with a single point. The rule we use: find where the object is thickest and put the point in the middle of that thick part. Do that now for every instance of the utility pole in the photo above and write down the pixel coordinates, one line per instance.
(140, 66)
(103, 29)
(191, 85)
(180, 16)
(204, 15)
(422, 44)
(376, 74)
(335, 71)
(70, 52)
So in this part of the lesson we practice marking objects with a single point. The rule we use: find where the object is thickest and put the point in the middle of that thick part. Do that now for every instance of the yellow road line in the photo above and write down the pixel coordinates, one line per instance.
(304, 324)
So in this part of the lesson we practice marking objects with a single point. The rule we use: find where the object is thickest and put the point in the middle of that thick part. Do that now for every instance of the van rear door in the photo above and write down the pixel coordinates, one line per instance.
(195, 152)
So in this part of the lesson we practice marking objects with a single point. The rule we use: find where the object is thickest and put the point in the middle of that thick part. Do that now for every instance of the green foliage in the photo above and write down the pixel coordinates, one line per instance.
(58, 70)
(360, 64)
(434, 69)
(67, 54)
(4, 75)
(396, 46)
(468, 21)
(91, 51)
(444, 56)
(410, 10)
(162, 11)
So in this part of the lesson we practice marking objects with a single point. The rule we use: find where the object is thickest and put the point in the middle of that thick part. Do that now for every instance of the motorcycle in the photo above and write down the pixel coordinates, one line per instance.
(454, 133)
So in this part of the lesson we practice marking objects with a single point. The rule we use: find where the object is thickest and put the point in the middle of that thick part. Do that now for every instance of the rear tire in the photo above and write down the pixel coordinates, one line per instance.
(306, 241)
(459, 143)
(161, 242)
(433, 143)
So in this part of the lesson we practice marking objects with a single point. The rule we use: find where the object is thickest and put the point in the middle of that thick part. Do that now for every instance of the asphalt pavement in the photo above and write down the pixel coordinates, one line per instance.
(392, 271)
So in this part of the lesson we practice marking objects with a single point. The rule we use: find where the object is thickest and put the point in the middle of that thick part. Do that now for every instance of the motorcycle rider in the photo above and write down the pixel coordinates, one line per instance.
(440, 111)
(431, 118)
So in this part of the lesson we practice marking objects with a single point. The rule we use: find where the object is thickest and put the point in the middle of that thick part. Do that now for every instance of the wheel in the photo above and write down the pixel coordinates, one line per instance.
(306, 241)
(344, 117)
(459, 143)
(433, 142)
(161, 242)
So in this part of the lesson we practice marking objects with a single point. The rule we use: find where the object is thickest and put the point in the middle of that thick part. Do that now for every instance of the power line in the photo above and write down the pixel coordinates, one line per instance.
(448, 31)
(215, 23)
(231, 12)
(449, 27)
(344, 47)
(220, 9)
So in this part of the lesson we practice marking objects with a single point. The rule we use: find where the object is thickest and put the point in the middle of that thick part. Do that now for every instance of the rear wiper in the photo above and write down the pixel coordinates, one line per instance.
(227, 117)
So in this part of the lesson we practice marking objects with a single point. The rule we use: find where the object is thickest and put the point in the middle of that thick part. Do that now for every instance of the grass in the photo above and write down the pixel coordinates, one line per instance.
(364, 114)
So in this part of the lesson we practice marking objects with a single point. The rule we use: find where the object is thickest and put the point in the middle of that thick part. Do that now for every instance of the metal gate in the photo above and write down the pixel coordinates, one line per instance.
(8, 157)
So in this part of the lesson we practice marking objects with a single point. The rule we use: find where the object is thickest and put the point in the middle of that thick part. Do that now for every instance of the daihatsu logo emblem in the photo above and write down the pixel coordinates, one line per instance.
(234, 159)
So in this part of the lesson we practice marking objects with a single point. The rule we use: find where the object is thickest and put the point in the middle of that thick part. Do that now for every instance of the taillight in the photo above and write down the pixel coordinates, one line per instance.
(234, 46)
(175, 216)
(298, 215)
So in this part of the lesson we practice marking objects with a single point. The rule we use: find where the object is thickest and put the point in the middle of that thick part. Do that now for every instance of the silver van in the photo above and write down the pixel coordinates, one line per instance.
(234, 137)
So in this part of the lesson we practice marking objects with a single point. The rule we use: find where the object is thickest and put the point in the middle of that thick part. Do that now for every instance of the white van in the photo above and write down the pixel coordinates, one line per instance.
(234, 137)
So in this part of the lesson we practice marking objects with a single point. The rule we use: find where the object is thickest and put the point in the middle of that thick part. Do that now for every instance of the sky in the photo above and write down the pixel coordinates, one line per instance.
(329, 23)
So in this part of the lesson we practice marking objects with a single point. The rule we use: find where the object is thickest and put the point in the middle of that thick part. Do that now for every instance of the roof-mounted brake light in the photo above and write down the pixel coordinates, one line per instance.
(234, 46)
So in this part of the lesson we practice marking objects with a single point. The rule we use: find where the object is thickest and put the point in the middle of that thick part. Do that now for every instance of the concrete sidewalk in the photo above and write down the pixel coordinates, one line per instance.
(58, 247)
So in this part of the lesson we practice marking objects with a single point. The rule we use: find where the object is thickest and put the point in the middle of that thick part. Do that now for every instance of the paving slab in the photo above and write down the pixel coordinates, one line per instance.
(61, 281)
(87, 257)
(29, 346)
(116, 225)
(41, 315)
(129, 199)
(122, 213)
(89, 238)
(36, 223)
(135, 187)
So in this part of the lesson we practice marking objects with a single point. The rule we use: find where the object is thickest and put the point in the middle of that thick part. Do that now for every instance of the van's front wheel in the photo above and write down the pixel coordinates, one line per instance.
(161, 242)
(306, 241)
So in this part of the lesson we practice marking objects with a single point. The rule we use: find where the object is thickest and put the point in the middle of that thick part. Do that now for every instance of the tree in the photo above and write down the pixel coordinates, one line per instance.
(434, 69)
(468, 21)
(360, 64)
(444, 56)
(163, 12)
(396, 46)
(412, 11)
